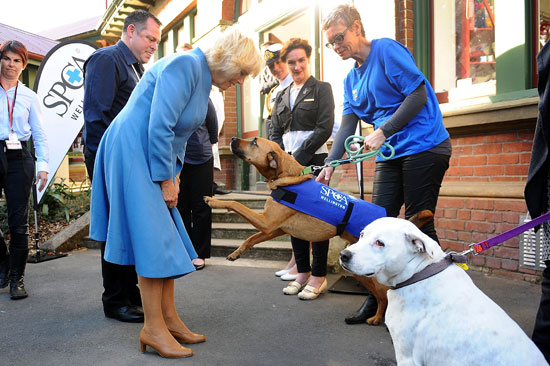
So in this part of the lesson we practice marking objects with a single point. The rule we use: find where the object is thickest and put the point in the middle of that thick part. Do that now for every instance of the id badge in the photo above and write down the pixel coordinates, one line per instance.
(13, 143)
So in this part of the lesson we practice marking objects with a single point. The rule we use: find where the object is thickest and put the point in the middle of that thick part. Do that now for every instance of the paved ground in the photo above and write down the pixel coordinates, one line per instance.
(238, 305)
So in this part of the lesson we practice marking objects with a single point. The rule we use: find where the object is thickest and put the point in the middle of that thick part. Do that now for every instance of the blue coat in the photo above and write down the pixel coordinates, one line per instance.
(144, 145)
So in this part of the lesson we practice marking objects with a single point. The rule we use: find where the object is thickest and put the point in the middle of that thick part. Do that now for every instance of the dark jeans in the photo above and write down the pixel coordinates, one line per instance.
(16, 185)
(541, 333)
(119, 282)
(319, 250)
(412, 180)
(196, 181)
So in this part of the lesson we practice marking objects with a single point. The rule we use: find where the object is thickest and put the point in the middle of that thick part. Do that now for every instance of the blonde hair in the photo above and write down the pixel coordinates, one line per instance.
(233, 54)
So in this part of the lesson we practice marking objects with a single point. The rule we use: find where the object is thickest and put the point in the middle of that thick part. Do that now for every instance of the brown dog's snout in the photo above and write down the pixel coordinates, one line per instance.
(345, 256)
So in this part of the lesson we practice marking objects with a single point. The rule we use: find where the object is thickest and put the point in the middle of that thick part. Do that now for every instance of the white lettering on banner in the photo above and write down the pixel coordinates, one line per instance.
(333, 197)
(60, 88)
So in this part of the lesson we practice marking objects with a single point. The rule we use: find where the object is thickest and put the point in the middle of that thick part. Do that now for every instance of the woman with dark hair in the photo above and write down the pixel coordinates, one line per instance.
(302, 123)
(20, 118)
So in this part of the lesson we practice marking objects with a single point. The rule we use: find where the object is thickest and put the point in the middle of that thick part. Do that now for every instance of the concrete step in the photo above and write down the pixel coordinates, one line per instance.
(238, 231)
(269, 250)
(254, 199)
(223, 216)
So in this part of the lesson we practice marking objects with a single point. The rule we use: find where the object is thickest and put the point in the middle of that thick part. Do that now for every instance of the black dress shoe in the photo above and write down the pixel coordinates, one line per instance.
(128, 314)
(367, 310)
(221, 191)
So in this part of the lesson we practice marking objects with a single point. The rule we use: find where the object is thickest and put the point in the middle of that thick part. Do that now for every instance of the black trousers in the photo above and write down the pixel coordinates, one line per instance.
(319, 250)
(119, 282)
(196, 181)
(412, 180)
(16, 185)
(541, 333)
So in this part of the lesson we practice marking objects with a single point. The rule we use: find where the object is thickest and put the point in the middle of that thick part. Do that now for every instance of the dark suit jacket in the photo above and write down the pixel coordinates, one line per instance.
(313, 111)
(536, 189)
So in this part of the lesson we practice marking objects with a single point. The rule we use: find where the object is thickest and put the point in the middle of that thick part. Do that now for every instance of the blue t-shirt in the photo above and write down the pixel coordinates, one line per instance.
(377, 88)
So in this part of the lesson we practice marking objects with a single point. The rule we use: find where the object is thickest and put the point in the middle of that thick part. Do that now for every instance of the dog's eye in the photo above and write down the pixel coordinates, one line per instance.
(378, 243)
(254, 142)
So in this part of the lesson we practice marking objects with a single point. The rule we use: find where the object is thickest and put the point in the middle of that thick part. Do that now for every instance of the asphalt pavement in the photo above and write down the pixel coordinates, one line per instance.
(238, 305)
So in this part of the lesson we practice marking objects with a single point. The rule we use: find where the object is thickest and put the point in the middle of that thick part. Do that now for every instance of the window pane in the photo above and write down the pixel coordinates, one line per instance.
(475, 39)
(464, 57)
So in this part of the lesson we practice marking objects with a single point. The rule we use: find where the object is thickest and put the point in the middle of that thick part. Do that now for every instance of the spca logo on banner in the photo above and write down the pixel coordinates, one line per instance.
(60, 88)
(335, 198)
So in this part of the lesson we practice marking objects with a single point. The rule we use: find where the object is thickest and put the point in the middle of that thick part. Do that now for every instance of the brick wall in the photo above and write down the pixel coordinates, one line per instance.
(228, 174)
(404, 31)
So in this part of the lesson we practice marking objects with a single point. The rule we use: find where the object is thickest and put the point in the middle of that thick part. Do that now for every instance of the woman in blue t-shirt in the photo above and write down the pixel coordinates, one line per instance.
(386, 89)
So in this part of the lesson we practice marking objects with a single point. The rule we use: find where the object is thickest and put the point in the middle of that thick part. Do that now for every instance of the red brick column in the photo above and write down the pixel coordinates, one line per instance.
(404, 23)
(228, 174)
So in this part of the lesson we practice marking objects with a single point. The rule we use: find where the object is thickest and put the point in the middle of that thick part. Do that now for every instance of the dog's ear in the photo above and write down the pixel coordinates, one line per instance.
(272, 160)
(273, 163)
(421, 242)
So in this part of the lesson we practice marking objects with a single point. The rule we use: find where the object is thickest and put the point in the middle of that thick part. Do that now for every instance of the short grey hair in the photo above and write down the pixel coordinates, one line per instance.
(345, 15)
(233, 53)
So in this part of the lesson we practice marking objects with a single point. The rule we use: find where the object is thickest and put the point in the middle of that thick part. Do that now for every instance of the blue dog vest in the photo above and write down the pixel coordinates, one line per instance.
(346, 212)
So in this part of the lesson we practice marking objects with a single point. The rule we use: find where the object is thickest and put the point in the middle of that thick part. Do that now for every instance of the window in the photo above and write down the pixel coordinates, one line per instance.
(466, 49)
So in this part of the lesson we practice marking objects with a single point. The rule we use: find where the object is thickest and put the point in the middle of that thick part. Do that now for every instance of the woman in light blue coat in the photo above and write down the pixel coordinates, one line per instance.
(135, 186)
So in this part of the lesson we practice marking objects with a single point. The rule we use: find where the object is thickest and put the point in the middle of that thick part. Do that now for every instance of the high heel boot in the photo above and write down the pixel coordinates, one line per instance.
(162, 349)
(18, 261)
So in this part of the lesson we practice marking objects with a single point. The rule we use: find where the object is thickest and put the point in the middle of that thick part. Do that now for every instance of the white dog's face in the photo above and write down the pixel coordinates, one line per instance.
(385, 248)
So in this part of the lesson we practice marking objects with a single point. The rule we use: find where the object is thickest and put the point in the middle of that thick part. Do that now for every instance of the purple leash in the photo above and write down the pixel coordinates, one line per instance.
(495, 240)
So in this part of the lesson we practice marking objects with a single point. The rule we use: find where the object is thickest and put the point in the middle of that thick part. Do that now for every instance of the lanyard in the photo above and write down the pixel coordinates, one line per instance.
(10, 110)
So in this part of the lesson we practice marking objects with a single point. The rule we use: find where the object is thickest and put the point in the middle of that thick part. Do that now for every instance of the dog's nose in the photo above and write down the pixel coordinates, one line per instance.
(234, 139)
(345, 256)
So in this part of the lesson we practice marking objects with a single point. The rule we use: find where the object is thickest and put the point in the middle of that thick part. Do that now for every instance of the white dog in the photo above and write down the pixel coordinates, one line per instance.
(441, 320)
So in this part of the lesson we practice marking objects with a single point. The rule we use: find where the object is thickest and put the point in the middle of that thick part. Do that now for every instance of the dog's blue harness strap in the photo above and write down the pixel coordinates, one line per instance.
(345, 212)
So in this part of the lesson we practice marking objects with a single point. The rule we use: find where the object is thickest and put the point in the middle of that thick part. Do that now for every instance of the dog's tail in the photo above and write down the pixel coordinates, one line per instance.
(421, 218)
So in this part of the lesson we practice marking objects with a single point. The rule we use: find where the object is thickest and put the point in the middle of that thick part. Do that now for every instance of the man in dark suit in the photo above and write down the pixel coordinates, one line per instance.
(110, 75)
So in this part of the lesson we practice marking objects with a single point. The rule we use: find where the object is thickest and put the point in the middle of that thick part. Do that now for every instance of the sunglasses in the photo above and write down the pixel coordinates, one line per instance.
(338, 39)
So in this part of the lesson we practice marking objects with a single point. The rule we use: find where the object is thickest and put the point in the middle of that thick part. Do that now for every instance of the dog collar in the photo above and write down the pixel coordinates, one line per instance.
(307, 170)
(433, 269)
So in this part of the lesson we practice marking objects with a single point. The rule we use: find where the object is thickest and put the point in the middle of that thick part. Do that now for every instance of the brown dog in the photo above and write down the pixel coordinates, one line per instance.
(277, 219)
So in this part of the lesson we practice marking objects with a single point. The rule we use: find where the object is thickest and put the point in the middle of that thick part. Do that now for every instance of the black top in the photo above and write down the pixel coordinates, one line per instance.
(110, 75)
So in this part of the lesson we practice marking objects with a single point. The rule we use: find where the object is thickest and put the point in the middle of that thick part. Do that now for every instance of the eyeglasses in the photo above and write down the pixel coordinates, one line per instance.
(338, 39)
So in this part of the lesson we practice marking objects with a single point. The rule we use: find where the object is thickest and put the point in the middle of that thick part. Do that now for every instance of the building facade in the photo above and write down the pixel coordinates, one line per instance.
(479, 55)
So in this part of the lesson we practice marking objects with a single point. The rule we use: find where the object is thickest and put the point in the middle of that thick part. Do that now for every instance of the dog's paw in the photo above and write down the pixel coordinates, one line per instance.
(375, 320)
(212, 202)
(272, 186)
(233, 256)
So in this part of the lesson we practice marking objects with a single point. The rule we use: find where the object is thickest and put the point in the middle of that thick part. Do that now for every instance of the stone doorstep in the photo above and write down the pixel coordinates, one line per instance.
(70, 237)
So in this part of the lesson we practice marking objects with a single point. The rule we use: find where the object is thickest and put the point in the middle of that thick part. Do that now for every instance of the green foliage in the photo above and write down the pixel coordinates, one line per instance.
(59, 202)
